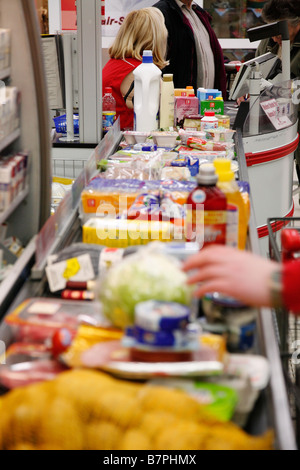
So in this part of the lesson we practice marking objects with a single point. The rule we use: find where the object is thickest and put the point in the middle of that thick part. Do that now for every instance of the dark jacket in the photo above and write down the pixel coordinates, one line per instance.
(182, 50)
(268, 45)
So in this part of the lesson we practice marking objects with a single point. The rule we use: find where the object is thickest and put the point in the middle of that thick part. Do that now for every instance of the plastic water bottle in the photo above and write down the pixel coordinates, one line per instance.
(108, 110)
(147, 78)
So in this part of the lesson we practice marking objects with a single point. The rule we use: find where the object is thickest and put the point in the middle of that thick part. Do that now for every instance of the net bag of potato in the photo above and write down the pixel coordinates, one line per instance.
(90, 410)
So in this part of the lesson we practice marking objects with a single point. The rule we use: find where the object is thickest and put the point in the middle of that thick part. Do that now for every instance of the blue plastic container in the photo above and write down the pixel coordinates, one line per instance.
(61, 124)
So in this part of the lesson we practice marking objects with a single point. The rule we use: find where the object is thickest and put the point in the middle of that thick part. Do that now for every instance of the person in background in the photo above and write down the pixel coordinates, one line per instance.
(195, 55)
(249, 278)
(278, 10)
(141, 30)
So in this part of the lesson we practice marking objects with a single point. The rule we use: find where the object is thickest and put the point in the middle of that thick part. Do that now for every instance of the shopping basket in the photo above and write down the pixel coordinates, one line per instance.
(284, 245)
(60, 123)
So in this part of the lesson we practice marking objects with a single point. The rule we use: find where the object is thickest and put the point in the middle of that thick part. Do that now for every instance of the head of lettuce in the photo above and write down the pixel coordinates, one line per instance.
(148, 274)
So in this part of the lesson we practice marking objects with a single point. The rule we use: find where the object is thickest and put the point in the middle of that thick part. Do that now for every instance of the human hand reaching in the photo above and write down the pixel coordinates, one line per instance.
(229, 271)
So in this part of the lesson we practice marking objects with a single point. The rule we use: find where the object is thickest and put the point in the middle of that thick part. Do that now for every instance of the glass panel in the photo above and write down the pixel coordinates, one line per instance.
(275, 109)
(232, 18)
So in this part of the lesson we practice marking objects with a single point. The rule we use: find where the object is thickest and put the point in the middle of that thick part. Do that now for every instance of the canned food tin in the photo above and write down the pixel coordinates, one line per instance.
(223, 120)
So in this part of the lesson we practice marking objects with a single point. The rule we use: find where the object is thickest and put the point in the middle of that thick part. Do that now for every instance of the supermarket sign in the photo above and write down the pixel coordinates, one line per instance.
(113, 13)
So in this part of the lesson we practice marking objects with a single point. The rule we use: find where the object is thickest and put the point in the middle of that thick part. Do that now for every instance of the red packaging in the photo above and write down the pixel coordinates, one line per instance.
(206, 210)
(37, 319)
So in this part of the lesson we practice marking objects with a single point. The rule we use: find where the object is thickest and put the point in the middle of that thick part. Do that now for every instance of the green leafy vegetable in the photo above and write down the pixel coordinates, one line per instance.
(140, 277)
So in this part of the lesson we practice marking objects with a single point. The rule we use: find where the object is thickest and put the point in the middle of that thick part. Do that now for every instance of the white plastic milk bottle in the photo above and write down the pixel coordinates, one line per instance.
(147, 80)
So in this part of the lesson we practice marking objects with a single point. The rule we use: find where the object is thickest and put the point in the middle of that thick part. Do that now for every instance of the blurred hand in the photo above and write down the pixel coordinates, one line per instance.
(242, 98)
(229, 271)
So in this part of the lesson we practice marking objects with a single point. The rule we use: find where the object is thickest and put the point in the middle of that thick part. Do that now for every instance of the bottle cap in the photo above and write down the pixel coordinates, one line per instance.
(167, 77)
(223, 169)
(189, 87)
(207, 174)
(147, 57)
(108, 89)
(209, 113)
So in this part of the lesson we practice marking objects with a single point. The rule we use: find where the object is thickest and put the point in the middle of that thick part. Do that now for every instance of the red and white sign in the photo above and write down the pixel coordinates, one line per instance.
(272, 110)
(113, 13)
(68, 15)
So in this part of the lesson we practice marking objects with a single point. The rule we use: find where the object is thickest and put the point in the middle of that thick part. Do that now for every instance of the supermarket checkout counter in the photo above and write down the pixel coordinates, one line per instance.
(272, 407)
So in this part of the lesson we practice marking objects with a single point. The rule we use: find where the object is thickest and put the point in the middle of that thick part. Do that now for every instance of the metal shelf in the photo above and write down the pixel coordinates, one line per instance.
(15, 203)
(9, 139)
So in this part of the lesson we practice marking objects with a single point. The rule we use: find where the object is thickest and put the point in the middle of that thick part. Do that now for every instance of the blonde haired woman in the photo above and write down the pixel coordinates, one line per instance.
(141, 30)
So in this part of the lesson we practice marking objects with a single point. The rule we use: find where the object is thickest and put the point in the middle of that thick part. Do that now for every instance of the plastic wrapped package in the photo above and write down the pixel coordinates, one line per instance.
(176, 173)
(134, 137)
(124, 170)
(122, 233)
(157, 206)
(205, 156)
(178, 190)
(36, 320)
(146, 275)
(102, 195)
(215, 146)
(184, 134)
(113, 197)
(219, 400)
(27, 373)
(221, 134)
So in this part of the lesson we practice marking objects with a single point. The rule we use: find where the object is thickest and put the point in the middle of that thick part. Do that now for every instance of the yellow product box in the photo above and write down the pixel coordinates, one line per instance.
(105, 196)
(121, 233)
(106, 202)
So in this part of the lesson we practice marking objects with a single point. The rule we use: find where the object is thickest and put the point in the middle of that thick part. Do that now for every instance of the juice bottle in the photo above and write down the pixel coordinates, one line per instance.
(206, 210)
(167, 101)
(237, 217)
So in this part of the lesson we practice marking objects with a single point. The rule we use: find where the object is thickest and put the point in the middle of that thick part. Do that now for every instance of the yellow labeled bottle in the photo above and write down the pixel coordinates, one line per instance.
(237, 216)
(167, 101)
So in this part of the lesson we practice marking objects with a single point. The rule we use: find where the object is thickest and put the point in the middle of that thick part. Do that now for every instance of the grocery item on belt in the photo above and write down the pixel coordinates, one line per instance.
(37, 319)
(113, 197)
(102, 195)
(90, 410)
(223, 120)
(121, 233)
(220, 134)
(144, 206)
(201, 144)
(162, 338)
(184, 134)
(180, 173)
(146, 275)
(219, 400)
(27, 373)
(191, 123)
(156, 315)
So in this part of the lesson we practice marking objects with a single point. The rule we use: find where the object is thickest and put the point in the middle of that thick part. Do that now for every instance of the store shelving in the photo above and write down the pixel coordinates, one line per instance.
(9, 139)
(4, 73)
(13, 206)
(31, 208)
